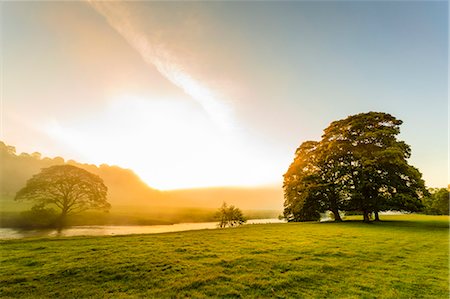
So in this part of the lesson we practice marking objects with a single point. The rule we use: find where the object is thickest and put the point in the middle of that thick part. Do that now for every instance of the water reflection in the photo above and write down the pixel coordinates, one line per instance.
(8, 233)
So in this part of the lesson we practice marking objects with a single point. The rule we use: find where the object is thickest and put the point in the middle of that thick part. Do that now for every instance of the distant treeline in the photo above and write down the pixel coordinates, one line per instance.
(437, 202)
(124, 186)
(132, 201)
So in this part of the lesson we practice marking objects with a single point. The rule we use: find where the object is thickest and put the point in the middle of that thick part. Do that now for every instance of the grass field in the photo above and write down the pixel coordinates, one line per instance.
(401, 257)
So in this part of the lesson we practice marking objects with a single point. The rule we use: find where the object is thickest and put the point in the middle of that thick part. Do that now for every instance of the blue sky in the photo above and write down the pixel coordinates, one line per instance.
(235, 86)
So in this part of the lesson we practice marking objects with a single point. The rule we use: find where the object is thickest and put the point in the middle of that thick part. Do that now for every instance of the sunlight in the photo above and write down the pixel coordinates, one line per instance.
(157, 54)
(217, 110)
(170, 144)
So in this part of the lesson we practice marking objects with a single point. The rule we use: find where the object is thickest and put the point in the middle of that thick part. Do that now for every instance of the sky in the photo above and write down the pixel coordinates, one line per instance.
(201, 94)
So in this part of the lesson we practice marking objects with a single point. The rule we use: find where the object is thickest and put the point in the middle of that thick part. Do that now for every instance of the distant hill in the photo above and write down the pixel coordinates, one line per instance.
(126, 191)
(124, 186)
(264, 198)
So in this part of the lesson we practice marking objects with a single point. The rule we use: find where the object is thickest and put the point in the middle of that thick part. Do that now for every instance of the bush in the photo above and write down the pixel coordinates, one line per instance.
(38, 217)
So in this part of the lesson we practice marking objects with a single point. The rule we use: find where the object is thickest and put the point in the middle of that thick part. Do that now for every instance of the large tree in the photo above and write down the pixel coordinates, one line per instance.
(311, 184)
(359, 165)
(302, 185)
(68, 188)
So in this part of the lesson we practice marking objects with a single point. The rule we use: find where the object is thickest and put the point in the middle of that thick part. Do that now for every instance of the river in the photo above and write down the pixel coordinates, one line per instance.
(10, 233)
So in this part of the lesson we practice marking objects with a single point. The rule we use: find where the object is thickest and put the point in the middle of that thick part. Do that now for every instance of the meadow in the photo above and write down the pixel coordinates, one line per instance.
(401, 257)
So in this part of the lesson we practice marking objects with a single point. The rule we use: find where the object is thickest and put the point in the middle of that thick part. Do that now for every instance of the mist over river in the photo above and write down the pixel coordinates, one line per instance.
(10, 233)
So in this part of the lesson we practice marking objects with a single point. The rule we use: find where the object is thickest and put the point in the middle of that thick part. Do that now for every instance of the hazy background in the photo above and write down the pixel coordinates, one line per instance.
(213, 94)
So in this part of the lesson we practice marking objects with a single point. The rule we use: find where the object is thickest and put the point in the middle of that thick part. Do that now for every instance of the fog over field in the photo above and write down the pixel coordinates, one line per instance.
(133, 201)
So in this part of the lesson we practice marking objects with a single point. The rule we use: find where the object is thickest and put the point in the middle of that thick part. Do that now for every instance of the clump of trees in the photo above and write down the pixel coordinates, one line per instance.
(16, 168)
(64, 190)
(230, 216)
(437, 202)
(358, 165)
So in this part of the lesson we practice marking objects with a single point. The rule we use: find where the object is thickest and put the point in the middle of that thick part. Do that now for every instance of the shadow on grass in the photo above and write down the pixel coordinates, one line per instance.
(425, 224)
(419, 224)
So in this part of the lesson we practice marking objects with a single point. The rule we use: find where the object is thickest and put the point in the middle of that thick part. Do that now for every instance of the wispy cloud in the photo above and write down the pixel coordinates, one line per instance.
(156, 53)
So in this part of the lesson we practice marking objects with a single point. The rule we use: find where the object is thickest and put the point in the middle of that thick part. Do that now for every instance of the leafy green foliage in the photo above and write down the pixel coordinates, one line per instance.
(293, 260)
(68, 188)
(437, 203)
(37, 217)
(301, 185)
(229, 216)
(359, 165)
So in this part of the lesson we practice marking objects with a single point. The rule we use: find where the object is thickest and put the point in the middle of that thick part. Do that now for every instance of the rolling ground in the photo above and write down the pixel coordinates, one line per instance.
(402, 257)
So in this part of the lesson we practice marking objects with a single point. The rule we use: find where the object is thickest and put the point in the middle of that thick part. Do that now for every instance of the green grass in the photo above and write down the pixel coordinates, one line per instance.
(402, 257)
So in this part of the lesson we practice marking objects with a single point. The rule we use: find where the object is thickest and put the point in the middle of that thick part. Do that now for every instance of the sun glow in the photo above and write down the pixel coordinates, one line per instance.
(155, 53)
(191, 139)
(170, 144)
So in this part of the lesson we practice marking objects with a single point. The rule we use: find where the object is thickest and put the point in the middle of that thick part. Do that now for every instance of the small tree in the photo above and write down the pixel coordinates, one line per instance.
(67, 188)
(230, 216)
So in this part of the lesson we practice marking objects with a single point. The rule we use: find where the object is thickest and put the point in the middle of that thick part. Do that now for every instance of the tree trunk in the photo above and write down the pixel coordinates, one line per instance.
(334, 208)
(61, 221)
(377, 217)
(337, 217)
(366, 216)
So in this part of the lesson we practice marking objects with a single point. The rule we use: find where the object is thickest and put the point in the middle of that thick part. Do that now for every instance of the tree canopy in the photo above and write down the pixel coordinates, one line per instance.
(68, 188)
(359, 165)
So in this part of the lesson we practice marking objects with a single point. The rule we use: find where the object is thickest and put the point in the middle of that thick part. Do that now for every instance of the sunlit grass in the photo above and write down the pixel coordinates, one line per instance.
(404, 257)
